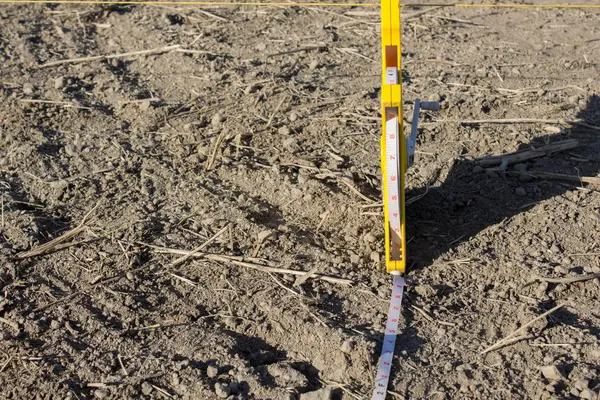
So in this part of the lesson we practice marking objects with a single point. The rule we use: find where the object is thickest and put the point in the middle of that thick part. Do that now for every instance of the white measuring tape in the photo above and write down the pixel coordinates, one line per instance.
(389, 341)
(393, 174)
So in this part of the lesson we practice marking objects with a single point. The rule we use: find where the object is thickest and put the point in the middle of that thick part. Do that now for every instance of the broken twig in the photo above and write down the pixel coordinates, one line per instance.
(563, 177)
(239, 261)
(530, 121)
(53, 244)
(511, 337)
(520, 156)
(571, 279)
(158, 50)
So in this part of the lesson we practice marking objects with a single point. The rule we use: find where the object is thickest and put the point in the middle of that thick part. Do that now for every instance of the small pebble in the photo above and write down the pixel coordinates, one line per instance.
(369, 238)
(551, 372)
(222, 390)
(284, 130)
(567, 261)
(525, 178)
(582, 384)
(426, 291)
(348, 346)
(291, 144)
(130, 276)
(28, 89)
(478, 169)
(313, 65)
(60, 82)
(212, 371)
(147, 388)
(561, 270)
(520, 167)
(216, 120)
(322, 394)
(264, 235)
(234, 387)
(375, 257)
(588, 394)
(520, 192)
(101, 393)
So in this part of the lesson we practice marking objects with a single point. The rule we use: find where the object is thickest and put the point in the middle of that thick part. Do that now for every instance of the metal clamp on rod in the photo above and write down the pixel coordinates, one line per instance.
(412, 140)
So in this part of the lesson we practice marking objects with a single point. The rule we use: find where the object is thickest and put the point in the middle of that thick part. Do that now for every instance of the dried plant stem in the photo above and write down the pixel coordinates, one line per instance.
(530, 121)
(511, 337)
(111, 56)
(239, 261)
(54, 243)
(571, 279)
(521, 156)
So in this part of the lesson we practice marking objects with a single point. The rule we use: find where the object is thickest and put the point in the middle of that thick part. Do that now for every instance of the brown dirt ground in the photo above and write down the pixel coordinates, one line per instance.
(270, 148)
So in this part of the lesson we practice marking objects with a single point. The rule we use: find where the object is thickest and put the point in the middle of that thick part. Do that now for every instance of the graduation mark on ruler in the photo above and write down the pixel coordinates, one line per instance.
(397, 154)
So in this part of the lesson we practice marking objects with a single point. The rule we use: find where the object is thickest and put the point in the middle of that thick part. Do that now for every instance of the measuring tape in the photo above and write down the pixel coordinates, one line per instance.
(384, 367)
(397, 155)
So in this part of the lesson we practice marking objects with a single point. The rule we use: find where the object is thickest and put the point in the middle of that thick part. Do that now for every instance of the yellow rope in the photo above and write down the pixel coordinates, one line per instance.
(295, 4)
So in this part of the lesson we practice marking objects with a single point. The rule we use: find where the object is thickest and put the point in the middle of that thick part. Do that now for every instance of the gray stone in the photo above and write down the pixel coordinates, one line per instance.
(234, 387)
(520, 167)
(525, 178)
(478, 169)
(521, 192)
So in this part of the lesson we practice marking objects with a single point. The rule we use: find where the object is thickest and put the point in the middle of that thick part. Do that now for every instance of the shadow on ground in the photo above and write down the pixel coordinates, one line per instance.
(468, 202)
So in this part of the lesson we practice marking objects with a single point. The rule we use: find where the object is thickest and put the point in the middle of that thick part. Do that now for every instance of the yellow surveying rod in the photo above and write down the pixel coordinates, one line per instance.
(393, 144)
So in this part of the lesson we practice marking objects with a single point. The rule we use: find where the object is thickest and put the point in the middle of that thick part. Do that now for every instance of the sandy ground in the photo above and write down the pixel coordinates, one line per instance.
(255, 142)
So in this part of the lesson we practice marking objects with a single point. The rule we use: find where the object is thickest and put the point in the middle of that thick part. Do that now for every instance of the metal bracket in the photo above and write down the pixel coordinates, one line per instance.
(412, 140)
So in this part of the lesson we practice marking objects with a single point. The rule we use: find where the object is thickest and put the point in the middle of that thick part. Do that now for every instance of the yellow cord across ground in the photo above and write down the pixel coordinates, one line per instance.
(297, 4)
